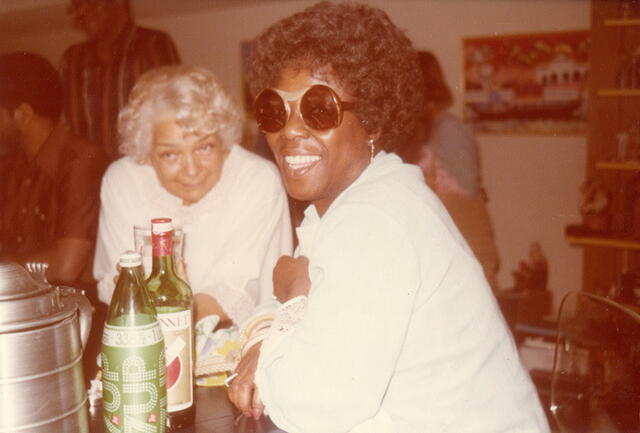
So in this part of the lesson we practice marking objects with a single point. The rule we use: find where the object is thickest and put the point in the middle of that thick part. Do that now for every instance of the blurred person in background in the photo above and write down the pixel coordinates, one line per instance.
(49, 194)
(448, 154)
(99, 73)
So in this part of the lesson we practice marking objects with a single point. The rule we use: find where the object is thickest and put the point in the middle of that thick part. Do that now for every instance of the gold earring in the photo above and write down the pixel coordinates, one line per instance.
(372, 148)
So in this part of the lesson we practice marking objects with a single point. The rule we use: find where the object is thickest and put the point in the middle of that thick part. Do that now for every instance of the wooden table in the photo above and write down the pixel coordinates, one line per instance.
(214, 414)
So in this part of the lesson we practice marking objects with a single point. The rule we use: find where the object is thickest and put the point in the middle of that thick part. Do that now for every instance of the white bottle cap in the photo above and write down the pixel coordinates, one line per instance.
(130, 259)
(161, 225)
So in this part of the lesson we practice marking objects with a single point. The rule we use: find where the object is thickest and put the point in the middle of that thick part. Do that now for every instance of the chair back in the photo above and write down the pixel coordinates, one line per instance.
(595, 385)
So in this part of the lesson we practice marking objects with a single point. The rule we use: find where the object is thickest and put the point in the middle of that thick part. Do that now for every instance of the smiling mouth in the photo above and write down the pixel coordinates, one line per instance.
(300, 164)
(191, 185)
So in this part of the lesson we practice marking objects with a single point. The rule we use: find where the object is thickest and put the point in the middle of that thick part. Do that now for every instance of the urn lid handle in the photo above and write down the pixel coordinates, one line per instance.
(16, 282)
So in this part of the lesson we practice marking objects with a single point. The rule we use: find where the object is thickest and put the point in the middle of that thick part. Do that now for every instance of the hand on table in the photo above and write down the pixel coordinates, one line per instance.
(243, 392)
(291, 278)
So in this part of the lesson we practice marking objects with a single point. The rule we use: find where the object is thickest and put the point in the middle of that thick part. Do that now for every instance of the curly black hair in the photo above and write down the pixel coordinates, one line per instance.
(28, 77)
(368, 55)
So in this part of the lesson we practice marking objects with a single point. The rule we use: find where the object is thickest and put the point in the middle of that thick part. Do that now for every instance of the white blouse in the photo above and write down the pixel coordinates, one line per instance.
(233, 236)
(401, 332)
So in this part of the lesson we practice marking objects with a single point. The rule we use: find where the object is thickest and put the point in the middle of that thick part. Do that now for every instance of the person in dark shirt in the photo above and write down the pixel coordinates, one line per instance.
(49, 189)
(99, 73)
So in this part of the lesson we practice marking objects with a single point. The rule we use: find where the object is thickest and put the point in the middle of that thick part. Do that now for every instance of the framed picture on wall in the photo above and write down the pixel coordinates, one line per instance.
(527, 83)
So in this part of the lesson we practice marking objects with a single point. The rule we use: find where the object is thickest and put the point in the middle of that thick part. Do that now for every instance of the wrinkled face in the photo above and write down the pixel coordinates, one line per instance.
(187, 166)
(317, 165)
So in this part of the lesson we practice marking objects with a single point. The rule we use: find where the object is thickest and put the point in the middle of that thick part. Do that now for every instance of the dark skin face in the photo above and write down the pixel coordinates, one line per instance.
(317, 166)
(98, 19)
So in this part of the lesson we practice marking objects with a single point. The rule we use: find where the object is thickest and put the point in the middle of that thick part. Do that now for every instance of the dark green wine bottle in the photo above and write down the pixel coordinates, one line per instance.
(173, 300)
(132, 357)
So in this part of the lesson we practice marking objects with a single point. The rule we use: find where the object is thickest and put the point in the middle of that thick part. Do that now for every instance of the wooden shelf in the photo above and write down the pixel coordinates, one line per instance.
(594, 241)
(628, 22)
(614, 32)
(621, 165)
(618, 92)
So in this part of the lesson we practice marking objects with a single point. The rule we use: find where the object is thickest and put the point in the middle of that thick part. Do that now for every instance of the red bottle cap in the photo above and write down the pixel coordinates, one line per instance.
(161, 225)
(161, 236)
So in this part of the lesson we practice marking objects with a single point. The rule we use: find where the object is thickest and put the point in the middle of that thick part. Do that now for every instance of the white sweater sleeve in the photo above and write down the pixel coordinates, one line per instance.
(115, 232)
(330, 373)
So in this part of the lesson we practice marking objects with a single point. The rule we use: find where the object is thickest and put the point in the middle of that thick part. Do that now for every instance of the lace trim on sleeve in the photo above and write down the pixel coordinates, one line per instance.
(288, 316)
(263, 326)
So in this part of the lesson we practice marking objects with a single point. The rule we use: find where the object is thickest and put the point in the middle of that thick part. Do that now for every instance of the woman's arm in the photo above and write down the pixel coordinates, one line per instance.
(290, 280)
(205, 305)
(330, 372)
(115, 231)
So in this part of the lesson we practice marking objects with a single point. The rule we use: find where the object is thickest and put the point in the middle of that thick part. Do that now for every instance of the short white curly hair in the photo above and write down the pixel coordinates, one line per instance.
(200, 105)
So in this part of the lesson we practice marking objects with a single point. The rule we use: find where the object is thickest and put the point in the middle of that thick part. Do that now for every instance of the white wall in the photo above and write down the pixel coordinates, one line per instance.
(532, 181)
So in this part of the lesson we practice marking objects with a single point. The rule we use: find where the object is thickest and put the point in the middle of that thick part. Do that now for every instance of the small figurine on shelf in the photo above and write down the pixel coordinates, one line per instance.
(532, 275)
(628, 74)
(622, 152)
(595, 199)
(594, 206)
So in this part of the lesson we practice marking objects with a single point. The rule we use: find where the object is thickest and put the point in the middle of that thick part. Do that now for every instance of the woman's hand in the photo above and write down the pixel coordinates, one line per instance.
(291, 278)
(243, 392)
(204, 305)
(117, 275)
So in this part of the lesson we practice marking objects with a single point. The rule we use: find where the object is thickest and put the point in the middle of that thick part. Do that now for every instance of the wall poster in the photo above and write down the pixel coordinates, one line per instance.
(527, 83)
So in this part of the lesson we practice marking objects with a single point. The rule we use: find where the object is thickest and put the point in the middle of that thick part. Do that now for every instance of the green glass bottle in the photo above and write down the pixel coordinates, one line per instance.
(132, 357)
(173, 300)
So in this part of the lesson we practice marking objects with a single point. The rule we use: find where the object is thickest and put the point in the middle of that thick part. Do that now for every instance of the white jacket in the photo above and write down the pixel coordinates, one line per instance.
(401, 332)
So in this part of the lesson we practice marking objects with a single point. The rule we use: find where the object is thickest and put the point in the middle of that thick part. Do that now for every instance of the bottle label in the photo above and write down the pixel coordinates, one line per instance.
(162, 243)
(176, 327)
(133, 379)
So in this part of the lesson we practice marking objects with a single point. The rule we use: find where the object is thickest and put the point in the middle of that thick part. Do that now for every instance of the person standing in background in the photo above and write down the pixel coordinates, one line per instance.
(99, 73)
(448, 155)
(49, 187)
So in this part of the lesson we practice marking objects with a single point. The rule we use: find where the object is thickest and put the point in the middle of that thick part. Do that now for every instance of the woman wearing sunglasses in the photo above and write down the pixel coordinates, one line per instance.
(387, 322)
(179, 134)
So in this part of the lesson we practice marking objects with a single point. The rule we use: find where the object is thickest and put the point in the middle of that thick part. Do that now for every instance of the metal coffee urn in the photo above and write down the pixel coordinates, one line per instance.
(43, 329)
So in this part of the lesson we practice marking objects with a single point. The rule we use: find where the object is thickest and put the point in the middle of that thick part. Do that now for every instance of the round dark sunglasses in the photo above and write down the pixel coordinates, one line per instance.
(320, 108)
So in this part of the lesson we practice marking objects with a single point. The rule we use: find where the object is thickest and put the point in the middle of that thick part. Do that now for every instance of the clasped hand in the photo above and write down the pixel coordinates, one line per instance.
(290, 279)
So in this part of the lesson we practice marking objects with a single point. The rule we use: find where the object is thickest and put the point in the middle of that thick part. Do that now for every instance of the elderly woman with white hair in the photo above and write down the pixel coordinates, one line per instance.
(179, 134)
